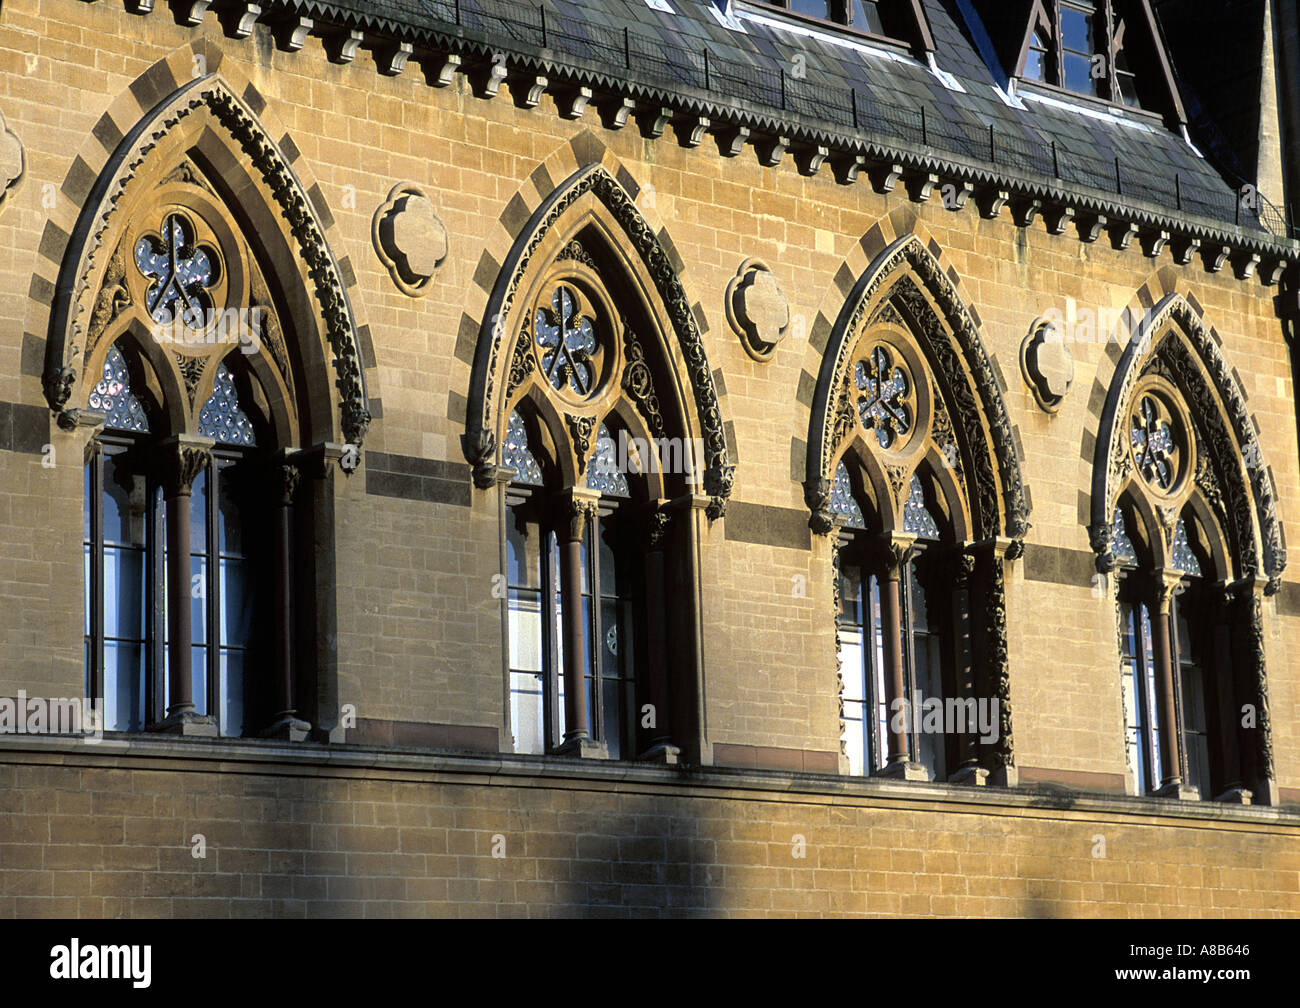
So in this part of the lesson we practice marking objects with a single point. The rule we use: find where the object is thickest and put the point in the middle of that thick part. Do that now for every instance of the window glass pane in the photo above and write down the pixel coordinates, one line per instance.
(87, 491)
(1183, 555)
(199, 678)
(517, 454)
(123, 686)
(610, 582)
(523, 551)
(87, 584)
(1076, 30)
(1121, 544)
(525, 627)
(1078, 74)
(199, 513)
(1149, 701)
(603, 473)
(917, 518)
(1035, 65)
(613, 714)
(842, 500)
(236, 603)
(878, 673)
(526, 712)
(113, 395)
(1195, 731)
(232, 692)
(230, 525)
(813, 8)
(124, 593)
(198, 600)
(866, 17)
(850, 594)
(123, 502)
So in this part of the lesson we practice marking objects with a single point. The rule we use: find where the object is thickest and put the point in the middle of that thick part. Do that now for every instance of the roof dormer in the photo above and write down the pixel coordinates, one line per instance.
(1109, 50)
(897, 21)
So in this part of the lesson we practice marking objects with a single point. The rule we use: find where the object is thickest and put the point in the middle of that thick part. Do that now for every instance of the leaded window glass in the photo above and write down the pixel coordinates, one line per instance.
(916, 516)
(842, 499)
(1121, 545)
(1183, 556)
(113, 395)
(517, 455)
(222, 419)
(603, 473)
(566, 335)
(884, 396)
(179, 270)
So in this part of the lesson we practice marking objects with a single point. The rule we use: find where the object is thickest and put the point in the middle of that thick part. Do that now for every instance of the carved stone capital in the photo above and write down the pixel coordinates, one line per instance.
(180, 460)
(576, 509)
(657, 525)
(894, 549)
(288, 478)
(1166, 584)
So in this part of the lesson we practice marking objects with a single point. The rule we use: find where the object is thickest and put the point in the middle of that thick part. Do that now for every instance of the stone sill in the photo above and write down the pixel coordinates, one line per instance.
(317, 760)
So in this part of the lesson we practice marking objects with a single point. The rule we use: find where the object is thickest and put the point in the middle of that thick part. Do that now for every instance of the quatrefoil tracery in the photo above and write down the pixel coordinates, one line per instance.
(181, 271)
(886, 399)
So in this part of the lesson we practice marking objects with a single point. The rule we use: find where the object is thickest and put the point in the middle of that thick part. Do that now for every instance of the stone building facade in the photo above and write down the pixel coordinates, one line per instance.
(793, 367)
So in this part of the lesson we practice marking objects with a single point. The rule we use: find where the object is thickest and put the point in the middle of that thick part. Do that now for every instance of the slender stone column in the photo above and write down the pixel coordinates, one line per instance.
(181, 461)
(661, 747)
(287, 724)
(895, 550)
(1171, 773)
(577, 509)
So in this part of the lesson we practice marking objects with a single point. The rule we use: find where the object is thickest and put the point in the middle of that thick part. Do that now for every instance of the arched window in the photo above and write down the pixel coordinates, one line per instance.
(585, 529)
(912, 464)
(1174, 608)
(204, 344)
(191, 534)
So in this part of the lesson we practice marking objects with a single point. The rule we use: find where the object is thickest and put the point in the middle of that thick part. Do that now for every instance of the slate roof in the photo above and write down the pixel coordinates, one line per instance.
(862, 97)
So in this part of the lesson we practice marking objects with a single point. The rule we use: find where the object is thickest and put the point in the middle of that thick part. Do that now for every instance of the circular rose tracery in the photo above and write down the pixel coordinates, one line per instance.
(565, 331)
(1156, 436)
(886, 400)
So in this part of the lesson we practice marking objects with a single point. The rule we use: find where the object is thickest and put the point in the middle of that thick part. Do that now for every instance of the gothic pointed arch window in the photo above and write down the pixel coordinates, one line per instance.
(902, 571)
(1191, 535)
(202, 383)
(593, 411)
(1174, 609)
(589, 469)
(912, 471)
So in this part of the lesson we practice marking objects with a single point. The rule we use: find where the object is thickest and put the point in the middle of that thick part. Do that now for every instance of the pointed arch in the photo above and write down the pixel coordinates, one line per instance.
(178, 127)
(1172, 340)
(596, 203)
(903, 365)
(1173, 389)
(905, 286)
